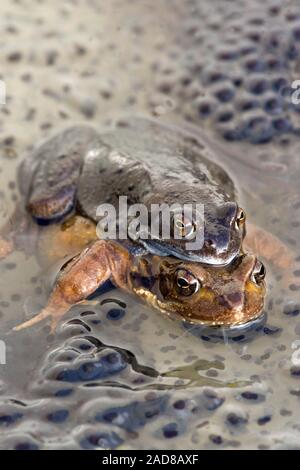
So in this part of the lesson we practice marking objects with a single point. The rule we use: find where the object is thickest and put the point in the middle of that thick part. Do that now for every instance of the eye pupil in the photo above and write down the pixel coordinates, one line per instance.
(259, 272)
(179, 224)
(187, 284)
(184, 226)
(241, 217)
(180, 227)
(182, 283)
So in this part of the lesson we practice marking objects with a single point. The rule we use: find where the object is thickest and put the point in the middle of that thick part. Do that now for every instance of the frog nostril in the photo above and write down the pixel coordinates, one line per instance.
(210, 244)
(259, 273)
(232, 300)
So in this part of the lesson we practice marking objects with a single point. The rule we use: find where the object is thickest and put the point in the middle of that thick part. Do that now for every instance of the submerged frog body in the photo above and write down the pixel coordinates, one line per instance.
(148, 163)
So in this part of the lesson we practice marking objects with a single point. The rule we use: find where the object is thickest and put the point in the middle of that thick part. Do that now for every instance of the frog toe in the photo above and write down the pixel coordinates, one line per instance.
(32, 321)
(52, 208)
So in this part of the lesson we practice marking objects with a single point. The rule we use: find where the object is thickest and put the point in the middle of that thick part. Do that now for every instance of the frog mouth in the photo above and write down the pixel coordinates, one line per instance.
(226, 323)
(210, 311)
(254, 322)
(211, 258)
(234, 333)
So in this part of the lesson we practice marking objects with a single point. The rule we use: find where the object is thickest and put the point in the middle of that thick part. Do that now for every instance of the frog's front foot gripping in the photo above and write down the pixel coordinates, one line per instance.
(81, 276)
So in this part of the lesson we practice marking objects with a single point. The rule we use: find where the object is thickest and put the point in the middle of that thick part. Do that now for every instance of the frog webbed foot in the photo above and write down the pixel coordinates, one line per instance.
(49, 176)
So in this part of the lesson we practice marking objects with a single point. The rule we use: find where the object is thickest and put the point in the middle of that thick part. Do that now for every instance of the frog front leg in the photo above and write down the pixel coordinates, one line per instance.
(81, 276)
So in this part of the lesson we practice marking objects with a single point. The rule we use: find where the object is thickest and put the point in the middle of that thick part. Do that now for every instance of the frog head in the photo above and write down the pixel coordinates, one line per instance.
(213, 237)
(214, 296)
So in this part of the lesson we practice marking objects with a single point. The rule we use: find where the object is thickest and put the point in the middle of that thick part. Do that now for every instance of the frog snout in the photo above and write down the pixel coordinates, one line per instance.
(209, 244)
(235, 295)
(232, 301)
(210, 248)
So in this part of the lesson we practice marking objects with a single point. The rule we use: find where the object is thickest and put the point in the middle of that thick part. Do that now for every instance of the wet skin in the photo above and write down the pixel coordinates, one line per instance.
(150, 163)
(215, 296)
(76, 171)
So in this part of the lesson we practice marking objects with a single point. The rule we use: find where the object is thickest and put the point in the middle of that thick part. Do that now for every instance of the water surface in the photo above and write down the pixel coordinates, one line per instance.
(119, 375)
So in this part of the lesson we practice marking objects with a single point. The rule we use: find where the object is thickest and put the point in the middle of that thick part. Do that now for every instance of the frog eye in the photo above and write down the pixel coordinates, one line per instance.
(259, 273)
(186, 283)
(184, 226)
(241, 217)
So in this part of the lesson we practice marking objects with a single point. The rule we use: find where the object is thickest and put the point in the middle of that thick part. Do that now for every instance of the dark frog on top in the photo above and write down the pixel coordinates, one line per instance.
(67, 178)
(147, 162)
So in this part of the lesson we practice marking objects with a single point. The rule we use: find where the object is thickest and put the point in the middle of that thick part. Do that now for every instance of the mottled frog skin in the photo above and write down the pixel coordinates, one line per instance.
(148, 162)
(67, 178)
(216, 296)
(225, 67)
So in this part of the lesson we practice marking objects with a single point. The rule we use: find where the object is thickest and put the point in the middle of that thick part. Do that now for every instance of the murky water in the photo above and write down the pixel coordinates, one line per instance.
(117, 374)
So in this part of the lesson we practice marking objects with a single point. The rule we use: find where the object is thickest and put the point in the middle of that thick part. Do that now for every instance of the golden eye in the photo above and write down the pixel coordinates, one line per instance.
(186, 283)
(259, 273)
(241, 217)
(184, 226)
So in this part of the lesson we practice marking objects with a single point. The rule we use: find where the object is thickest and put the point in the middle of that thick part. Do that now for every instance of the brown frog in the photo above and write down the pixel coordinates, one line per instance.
(216, 296)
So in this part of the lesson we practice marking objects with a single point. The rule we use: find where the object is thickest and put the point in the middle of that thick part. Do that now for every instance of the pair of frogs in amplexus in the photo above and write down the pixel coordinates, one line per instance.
(65, 179)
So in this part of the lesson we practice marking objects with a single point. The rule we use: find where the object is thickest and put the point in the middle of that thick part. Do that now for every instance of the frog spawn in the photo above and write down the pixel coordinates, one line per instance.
(238, 416)
(246, 81)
